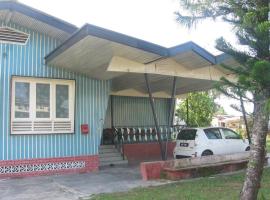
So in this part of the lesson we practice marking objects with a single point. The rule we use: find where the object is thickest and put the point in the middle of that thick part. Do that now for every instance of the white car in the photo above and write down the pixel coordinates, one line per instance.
(196, 142)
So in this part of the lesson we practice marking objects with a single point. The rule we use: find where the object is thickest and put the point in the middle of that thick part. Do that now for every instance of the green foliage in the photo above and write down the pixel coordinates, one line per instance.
(201, 108)
(251, 25)
(220, 110)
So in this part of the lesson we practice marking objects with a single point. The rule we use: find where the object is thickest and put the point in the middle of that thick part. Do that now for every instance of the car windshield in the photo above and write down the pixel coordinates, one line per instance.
(187, 134)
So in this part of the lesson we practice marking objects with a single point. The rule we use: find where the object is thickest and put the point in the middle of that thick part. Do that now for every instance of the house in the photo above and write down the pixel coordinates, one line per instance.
(62, 85)
(236, 123)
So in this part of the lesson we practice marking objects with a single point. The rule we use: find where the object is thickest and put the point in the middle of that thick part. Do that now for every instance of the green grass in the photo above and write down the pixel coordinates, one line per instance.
(268, 145)
(215, 188)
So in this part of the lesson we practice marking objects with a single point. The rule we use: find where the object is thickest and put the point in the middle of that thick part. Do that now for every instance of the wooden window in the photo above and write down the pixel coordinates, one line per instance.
(42, 106)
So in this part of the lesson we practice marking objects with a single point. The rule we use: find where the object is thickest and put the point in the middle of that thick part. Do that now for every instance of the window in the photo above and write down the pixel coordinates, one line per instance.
(187, 134)
(212, 133)
(229, 134)
(42, 106)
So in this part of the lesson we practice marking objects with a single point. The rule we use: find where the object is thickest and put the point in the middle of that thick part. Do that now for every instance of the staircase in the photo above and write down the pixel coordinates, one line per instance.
(109, 156)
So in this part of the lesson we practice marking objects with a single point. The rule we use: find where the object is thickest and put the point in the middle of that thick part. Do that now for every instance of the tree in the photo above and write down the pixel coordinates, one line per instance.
(201, 108)
(251, 26)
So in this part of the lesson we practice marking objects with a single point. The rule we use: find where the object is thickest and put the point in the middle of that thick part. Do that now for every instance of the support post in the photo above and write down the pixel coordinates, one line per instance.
(112, 117)
(154, 115)
(245, 117)
(171, 113)
(172, 103)
(187, 122)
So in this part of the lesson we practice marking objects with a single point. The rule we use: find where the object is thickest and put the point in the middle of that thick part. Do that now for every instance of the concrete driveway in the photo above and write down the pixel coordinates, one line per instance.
(73, 187)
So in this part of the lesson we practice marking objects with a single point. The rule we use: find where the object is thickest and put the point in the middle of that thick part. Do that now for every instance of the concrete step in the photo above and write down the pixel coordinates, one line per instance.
(109, 154)
(102, 151)
(112, 159)
(106, 147)
(108, 163)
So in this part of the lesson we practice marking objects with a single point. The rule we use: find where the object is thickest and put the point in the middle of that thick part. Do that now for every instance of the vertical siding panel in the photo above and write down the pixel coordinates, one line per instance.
(2, 148)
(85, 121)
(87, 114)
(91, 103)
(5, 101)
(136, 111)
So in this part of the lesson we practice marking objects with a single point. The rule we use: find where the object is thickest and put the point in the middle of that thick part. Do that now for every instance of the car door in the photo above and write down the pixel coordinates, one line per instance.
(233, 141)
(215, 142)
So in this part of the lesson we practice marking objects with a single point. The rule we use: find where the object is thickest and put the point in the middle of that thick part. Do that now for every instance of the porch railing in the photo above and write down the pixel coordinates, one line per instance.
(145, 134)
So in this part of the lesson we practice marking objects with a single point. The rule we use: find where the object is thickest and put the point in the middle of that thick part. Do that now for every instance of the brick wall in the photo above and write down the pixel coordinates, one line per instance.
(140, 152)
(50, 166)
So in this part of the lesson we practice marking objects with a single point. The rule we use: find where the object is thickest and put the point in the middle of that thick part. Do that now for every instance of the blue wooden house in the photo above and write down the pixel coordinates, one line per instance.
(61, 86)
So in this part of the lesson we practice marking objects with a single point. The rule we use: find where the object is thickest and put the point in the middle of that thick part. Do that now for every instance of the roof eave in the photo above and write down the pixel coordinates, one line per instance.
(120, 38)
(38, 15)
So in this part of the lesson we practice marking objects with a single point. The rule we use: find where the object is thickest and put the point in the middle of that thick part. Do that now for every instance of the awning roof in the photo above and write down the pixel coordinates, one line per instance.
(99, 36)
(105, 54)
(28, 17)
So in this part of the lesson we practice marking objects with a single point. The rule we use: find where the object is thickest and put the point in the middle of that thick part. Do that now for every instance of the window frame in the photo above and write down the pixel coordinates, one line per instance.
(232, 132)
(221, 137)
(33, 81)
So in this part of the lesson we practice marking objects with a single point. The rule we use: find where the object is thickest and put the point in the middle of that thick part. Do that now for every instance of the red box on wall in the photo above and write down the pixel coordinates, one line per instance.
(84, 129)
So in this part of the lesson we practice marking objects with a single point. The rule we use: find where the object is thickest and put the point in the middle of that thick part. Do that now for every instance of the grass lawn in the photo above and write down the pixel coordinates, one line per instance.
(217, 188)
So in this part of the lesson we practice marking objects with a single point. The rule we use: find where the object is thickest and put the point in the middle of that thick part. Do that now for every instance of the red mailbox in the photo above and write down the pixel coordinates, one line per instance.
(84, 129)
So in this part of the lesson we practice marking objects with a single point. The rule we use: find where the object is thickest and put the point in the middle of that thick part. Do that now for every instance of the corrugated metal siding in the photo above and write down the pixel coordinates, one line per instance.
(91, 102)
(136, 111)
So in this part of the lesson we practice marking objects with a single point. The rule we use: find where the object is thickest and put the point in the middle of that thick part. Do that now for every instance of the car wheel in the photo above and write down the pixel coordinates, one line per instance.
(207, 153)
(247, 149)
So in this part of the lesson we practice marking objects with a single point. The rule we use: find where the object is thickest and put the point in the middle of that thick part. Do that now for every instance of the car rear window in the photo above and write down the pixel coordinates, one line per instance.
(187, 134)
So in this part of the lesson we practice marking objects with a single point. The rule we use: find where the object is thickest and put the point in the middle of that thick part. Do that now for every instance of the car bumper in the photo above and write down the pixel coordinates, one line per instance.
(178, 154)
(181, 156)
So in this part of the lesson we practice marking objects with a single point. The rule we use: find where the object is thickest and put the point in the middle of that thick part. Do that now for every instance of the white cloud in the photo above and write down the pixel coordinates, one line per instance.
(151, 20)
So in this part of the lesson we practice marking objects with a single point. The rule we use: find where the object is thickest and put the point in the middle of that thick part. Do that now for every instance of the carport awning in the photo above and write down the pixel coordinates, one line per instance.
(104, 54)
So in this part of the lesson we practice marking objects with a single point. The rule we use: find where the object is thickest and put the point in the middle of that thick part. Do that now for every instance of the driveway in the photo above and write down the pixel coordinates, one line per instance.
(73, 187)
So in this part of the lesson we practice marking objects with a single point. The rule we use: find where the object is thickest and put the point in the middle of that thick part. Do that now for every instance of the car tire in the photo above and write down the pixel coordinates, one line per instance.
(247, 149)
(207, 153)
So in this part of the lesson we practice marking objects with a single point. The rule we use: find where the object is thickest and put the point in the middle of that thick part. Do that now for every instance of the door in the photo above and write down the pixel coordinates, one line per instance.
(233, 141)
(215, 142)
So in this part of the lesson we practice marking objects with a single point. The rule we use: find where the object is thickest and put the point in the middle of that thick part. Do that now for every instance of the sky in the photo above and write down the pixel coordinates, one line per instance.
(150, 20)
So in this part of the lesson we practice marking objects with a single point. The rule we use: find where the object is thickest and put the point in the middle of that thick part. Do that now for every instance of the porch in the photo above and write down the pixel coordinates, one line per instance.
(137, 144)
(143, 72)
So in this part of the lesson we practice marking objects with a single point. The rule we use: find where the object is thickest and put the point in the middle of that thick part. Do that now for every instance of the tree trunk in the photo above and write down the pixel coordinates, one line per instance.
(257, 153)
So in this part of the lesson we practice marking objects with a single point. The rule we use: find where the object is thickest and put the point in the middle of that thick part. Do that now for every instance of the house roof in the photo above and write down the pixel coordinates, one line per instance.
(95, 31)
(104, 54)
(108, 55)
(18, 13)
